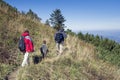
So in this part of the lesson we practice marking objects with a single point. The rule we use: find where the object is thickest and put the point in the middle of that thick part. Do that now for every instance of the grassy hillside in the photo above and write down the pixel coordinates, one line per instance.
(109, 50)
(78, 61)
(12, 24)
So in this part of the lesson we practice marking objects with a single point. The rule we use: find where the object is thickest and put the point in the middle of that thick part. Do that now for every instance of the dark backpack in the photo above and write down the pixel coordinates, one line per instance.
(41, 50)
(59, 37)
(21, 44)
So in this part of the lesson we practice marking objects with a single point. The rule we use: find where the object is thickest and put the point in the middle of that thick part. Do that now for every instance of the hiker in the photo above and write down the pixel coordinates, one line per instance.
(44, 49)
(29, 47)
(59, 37)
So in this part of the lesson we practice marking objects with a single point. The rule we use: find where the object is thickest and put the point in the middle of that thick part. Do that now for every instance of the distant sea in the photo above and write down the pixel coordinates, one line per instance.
(110, 34)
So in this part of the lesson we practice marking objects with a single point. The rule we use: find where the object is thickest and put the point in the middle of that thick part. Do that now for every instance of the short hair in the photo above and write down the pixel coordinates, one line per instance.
(44, 41)
(26, 31)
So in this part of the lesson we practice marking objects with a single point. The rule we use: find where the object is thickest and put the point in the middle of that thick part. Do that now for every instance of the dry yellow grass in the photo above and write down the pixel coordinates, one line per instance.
(78, 61)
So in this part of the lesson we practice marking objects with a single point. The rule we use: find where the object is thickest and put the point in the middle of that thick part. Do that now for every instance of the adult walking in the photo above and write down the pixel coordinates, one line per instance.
(59, 37)
(29, 47)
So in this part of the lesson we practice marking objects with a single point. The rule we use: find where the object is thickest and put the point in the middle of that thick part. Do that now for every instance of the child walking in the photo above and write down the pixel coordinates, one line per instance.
(44, 49)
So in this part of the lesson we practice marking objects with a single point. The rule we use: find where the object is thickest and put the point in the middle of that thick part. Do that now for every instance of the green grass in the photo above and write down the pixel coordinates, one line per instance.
(5, 69)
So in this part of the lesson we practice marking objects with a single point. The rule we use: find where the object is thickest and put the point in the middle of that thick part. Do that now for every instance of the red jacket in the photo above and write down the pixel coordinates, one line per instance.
(28, 42)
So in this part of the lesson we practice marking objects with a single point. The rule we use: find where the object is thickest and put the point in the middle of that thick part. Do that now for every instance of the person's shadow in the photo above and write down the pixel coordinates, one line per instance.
(37, 59)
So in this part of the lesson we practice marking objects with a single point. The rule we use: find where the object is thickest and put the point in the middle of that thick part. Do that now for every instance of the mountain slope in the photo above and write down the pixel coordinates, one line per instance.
(78, 62)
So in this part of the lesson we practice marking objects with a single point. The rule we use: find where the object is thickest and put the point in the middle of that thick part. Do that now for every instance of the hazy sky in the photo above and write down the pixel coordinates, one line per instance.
(80, 15)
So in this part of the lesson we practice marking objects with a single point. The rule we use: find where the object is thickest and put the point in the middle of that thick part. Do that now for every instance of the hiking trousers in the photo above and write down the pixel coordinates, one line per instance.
(59, 47)
(26, 59)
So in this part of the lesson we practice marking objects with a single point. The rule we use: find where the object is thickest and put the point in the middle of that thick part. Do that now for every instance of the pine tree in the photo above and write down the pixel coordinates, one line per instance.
(57, 19)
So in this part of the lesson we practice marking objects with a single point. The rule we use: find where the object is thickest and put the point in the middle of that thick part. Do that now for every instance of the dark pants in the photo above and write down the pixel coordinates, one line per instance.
(43, 55)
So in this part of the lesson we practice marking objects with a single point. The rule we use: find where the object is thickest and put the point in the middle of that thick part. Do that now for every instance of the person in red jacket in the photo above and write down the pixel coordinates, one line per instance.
(29, 47)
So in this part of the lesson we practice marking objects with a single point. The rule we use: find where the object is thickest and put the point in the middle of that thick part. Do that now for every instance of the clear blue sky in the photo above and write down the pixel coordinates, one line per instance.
(80, 14)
